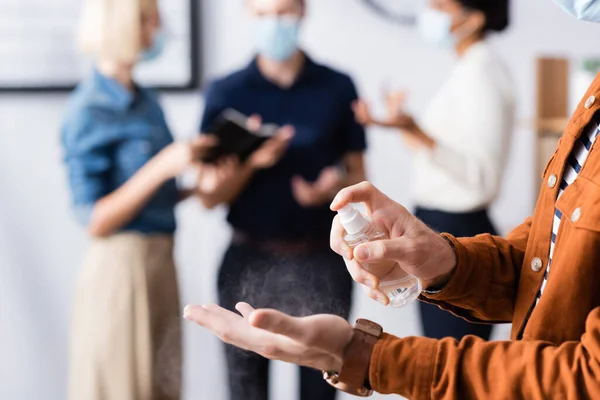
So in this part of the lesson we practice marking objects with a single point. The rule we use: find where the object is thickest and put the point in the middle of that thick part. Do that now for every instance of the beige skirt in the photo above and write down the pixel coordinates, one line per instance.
(126, 324)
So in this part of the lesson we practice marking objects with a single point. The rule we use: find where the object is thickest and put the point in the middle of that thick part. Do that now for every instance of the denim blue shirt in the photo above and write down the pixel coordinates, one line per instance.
(108, 134)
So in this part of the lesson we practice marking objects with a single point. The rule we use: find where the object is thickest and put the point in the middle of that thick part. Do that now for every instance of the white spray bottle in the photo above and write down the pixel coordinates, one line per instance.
(400, 287)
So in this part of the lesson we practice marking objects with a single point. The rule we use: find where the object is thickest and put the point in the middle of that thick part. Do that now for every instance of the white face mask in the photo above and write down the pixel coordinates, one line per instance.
(436, 27)
(277, 37)
(585, 10)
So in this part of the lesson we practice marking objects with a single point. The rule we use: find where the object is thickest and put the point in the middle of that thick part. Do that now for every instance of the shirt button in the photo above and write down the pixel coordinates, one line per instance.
(536, 264)
(576, 215)
(590, 102)
(552, 179)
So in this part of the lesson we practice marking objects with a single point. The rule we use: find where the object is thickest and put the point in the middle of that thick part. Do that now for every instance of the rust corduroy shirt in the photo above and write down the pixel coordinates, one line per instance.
(555, 347)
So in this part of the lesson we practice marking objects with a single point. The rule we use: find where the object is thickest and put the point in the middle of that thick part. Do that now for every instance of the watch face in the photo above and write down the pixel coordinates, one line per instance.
(401, 11)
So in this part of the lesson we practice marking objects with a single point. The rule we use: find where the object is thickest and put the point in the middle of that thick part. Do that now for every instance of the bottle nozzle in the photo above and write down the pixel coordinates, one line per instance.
(347, 209)
(352, 220)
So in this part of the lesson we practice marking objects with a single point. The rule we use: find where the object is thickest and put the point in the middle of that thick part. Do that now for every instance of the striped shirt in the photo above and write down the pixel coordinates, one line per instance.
(574, 164)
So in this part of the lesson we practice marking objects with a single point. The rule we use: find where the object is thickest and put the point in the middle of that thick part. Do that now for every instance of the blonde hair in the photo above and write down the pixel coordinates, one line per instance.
(112, 29)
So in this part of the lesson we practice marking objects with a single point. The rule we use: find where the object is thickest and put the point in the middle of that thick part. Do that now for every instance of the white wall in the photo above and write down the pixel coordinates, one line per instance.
(41, 247)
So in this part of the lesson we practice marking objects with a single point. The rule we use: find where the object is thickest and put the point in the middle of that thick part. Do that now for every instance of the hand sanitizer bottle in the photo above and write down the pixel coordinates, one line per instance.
(400, 287)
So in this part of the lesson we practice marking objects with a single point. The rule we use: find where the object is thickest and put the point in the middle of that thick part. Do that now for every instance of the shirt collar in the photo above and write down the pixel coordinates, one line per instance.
(120, 97)
(308, 70)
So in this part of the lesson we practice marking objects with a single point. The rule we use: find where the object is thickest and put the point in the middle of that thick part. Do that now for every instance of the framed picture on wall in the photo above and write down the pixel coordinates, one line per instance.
(38, 49)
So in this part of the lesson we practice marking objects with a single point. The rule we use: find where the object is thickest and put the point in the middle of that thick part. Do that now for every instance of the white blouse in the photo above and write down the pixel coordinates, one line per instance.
(471, 118)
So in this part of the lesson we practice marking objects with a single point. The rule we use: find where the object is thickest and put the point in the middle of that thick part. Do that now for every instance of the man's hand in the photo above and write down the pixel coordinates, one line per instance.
(415, 248)
(318, 341)
(362, 113)
(174, 159)
(273, 149)
(319, 192)
(212, 176)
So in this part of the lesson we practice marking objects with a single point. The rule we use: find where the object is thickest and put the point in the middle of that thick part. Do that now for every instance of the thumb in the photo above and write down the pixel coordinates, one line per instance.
(279, 323)
(382, 250)
(204, 140)
(299, 182)
(285, 133)
(245, 309)
(254, 122)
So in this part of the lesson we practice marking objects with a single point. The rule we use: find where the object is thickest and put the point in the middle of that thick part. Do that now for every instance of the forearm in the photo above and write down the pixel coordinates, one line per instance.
(228, 190)
(115, 210)
(425, 140)
(421, 368)
(384, 123)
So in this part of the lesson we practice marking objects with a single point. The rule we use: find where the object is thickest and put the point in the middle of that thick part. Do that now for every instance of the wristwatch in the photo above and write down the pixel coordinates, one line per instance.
(354, 374)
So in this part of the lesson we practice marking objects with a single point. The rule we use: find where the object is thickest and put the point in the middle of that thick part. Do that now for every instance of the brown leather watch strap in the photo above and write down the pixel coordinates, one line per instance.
(357, 358)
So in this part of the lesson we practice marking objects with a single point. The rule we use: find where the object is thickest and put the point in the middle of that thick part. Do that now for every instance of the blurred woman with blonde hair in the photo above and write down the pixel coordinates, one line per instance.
(122, 164)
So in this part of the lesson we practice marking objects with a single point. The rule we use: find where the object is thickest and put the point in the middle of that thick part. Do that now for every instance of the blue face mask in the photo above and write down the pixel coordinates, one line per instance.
(159, 42)
(435, 27)
(585, 10)
(276, 38)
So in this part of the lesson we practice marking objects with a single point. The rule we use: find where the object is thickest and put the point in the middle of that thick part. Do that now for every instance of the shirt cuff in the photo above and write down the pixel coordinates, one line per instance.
(468, 286)
(403, 366)
(439, 289)
(431, 291)
(457, 284)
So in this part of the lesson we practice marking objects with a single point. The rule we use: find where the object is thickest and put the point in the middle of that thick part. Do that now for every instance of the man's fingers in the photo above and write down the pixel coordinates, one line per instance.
(220, 311)
(328, 179)
(285, 133)
(361, 275)
(229, 160)
(227, 165)
(213, 318)
(228, 326)
(361, 113)
(202, 145)
(279, 323)
(302, 190)
(300, 182)
(254, 122)
(360, 105)
(379, 296)
(382, 251)
(336, 240)
(206, 139)
(196, 313)
(280, 141)
(363, 192)
(245, 309)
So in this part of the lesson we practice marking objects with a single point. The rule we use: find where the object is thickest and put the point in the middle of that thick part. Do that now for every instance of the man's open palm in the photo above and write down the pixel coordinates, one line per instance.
(317, 341)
